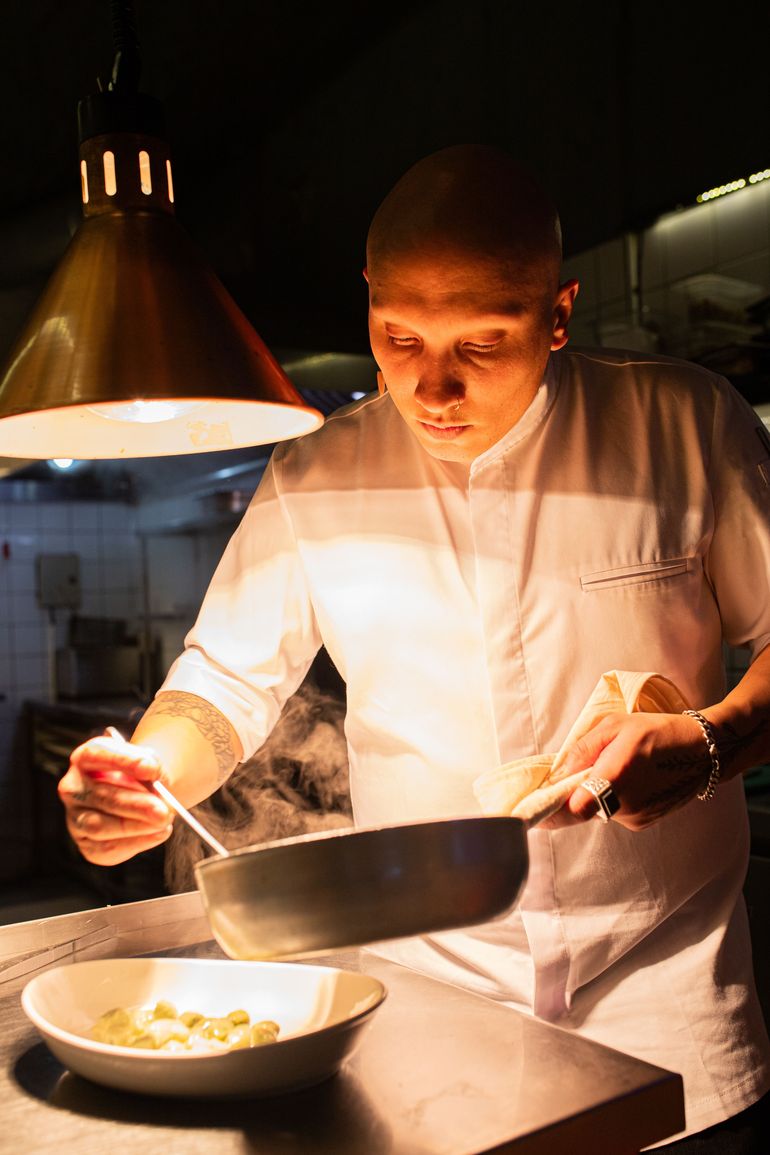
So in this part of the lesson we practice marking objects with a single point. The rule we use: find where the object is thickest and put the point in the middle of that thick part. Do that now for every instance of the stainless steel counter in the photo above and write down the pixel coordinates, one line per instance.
(439, 1071)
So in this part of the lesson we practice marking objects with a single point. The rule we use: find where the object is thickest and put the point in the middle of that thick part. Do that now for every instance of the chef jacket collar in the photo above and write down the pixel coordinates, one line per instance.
(533, 415)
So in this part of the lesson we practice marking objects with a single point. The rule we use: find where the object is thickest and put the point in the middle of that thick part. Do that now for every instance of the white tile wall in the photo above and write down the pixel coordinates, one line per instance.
(104, 537)
(179, 569)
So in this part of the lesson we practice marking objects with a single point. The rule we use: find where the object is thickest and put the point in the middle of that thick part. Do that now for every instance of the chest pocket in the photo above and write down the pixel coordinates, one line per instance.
(651, 574)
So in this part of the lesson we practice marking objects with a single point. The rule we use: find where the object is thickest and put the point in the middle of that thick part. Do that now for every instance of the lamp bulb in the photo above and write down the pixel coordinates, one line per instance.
(145, 412)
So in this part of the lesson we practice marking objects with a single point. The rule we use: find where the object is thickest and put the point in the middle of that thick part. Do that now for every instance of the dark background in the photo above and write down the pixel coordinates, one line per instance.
(289, 121)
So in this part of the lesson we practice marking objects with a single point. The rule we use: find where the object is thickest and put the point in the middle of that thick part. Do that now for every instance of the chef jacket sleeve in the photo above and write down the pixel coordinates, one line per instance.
(256, 634)
(738, 558)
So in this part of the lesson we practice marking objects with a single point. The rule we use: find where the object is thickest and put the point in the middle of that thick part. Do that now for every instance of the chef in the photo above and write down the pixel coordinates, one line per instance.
(475, 544)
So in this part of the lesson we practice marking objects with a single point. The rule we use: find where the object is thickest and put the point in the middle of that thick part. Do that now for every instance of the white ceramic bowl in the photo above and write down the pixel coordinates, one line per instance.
(321, 1011)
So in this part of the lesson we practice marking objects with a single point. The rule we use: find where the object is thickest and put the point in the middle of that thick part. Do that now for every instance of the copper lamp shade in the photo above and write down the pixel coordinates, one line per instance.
(135, 348)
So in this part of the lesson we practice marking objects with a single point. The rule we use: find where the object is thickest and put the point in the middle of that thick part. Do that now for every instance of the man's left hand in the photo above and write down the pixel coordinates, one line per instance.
(654, 763)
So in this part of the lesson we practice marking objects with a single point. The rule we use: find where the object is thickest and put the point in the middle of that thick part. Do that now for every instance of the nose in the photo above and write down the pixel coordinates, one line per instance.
(438, 388)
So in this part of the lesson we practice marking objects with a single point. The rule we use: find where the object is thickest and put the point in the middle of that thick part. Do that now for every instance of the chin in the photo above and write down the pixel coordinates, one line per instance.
(450, 451)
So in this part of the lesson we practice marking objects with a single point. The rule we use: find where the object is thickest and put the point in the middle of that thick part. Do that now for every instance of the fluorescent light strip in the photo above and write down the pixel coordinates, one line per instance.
(732, 186)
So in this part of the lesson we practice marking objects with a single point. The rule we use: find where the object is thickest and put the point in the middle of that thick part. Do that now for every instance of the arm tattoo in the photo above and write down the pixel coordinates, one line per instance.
(731, 743)
(689, 776)
(690, 773)
(213, 725)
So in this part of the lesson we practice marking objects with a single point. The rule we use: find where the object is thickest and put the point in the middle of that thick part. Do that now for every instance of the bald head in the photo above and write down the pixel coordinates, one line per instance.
(465, 304)
(473, 199)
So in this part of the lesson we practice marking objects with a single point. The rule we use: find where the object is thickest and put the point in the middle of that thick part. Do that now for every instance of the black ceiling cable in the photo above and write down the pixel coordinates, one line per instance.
(121, 107)
(127, 64)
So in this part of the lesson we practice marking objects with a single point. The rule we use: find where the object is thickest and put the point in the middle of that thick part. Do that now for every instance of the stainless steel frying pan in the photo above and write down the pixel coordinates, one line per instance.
(299, 897)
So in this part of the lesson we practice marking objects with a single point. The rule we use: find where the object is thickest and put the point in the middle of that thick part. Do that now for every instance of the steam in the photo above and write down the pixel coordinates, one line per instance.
(297, 782)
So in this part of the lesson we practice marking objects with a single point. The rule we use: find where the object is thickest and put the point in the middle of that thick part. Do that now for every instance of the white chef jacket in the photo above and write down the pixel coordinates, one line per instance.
(622, 523)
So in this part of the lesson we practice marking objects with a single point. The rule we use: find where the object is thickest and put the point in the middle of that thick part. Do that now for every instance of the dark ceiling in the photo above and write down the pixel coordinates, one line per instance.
(288, 121)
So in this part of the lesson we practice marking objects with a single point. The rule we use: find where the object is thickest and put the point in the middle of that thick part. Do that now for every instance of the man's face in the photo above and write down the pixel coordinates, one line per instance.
(462, 342)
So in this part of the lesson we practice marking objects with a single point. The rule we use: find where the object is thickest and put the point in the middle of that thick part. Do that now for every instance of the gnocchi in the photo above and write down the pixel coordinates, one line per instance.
(162, 1028)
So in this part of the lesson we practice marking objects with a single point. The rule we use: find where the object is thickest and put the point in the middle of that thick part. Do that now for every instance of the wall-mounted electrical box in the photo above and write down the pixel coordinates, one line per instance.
(58, 580)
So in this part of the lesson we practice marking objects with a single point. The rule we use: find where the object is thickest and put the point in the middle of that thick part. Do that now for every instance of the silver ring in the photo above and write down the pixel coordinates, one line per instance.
(607, 802)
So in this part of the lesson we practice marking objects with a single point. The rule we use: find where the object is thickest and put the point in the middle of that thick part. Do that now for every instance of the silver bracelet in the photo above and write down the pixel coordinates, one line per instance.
(711, 745)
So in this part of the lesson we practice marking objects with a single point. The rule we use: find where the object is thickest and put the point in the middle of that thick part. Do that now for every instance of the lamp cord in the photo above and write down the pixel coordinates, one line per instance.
(127, 65)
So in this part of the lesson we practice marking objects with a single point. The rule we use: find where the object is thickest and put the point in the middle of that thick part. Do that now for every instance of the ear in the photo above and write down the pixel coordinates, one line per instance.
(562, 311)
(381, 386)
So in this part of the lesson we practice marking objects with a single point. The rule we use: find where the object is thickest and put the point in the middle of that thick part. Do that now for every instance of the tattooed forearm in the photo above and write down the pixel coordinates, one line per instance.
(688, 776)
(677, 779)
(732, 744)
(212, 725)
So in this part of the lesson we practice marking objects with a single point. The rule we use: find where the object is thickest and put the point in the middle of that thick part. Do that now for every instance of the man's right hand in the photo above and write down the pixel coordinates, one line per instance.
(111, 812)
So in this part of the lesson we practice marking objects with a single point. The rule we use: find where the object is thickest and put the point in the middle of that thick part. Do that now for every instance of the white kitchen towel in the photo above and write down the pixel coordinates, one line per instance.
(535, 787)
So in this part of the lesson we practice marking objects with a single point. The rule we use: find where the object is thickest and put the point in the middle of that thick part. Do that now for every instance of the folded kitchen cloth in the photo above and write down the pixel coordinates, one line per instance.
(533, 788)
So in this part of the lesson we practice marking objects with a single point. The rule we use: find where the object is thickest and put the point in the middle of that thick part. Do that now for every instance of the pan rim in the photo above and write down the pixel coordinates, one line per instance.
(348, 832)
